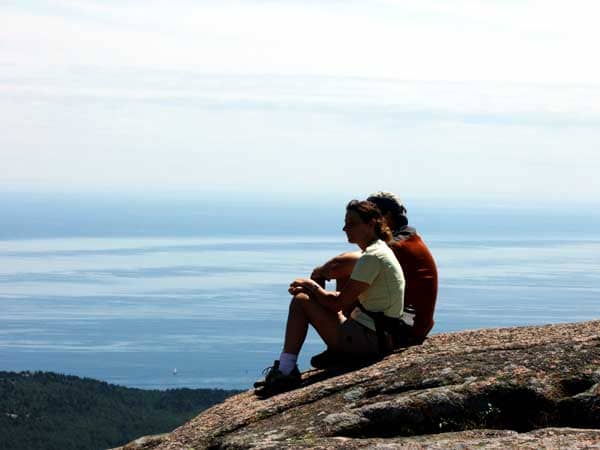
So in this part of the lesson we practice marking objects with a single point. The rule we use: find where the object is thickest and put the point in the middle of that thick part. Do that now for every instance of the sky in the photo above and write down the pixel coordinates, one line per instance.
(492, 101)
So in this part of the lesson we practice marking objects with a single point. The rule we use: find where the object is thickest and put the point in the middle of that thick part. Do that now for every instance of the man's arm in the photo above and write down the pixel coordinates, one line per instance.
(339, 267)
(334, 301)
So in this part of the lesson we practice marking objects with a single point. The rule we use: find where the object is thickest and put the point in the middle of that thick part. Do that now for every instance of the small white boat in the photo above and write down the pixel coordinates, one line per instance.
(175, 371)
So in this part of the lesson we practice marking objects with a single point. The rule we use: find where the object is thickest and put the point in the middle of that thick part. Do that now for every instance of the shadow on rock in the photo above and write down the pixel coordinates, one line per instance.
(318, 375)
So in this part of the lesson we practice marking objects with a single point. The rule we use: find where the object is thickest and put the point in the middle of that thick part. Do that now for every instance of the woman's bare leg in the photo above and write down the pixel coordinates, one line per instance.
(304, 311)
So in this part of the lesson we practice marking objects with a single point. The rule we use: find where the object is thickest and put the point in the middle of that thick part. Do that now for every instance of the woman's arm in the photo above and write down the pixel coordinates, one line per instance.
(334, 301)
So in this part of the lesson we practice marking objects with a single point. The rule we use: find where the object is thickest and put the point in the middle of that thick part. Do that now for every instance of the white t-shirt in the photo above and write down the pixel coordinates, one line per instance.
(379, 268)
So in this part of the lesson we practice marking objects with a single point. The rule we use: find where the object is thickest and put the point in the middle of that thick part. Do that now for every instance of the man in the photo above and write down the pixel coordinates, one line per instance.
(417, 263)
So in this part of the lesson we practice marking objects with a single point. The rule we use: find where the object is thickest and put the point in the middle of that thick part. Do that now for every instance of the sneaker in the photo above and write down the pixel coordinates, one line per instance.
(325, 360)
(275, 380)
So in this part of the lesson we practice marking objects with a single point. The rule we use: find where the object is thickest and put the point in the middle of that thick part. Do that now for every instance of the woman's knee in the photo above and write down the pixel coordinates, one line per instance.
(298, 302)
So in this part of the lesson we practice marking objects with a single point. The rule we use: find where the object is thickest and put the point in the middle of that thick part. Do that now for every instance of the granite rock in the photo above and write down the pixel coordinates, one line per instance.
(526, 387)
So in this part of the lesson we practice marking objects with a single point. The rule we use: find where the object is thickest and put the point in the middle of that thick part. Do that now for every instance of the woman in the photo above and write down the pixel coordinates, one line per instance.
(377, 281)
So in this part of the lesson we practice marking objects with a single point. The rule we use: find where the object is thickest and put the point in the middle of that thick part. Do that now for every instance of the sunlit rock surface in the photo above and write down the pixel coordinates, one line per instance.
(527, 387)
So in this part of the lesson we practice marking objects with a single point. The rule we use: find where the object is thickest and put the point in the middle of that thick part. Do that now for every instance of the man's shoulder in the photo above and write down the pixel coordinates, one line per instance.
(413, 240)
(411, 247)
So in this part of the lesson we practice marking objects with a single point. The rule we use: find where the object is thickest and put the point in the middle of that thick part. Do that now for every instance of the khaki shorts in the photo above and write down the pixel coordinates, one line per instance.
(356, 339)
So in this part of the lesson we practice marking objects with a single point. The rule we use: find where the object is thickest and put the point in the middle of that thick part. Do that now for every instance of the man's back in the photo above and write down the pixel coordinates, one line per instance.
(421, 277)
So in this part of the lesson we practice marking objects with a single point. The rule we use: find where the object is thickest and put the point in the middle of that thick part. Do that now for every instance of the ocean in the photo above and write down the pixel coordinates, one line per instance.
(209, 312)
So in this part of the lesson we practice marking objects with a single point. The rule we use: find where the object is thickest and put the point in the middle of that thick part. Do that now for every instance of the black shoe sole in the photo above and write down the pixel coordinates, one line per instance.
(268, 390)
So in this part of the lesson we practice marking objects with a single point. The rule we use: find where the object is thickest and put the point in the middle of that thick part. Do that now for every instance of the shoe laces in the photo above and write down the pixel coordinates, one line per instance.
(269, 369)
(266, 370)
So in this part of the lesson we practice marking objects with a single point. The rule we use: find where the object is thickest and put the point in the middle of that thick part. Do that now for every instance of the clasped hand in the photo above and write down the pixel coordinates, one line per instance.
(301, 285)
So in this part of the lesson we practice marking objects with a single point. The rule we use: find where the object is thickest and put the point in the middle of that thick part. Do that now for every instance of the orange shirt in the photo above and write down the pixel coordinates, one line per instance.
(421, 277)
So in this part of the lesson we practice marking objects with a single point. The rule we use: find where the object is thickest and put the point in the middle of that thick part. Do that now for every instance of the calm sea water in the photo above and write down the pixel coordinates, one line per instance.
(130, 311)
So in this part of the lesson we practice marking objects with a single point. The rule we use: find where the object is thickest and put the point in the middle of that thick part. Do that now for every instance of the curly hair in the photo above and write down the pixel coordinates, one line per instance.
(368, 211)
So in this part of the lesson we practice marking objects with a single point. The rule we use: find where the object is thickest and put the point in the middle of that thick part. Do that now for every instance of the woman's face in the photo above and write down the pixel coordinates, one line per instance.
(356, 230)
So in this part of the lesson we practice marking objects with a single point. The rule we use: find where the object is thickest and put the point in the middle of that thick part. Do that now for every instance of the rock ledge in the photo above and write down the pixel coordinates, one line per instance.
(527, 387)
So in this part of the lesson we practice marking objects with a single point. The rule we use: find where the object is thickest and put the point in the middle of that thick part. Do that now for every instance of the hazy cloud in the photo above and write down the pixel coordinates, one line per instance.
(495, 99)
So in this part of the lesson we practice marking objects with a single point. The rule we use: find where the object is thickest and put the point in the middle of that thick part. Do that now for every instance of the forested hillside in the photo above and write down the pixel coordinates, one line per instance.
(42, 410)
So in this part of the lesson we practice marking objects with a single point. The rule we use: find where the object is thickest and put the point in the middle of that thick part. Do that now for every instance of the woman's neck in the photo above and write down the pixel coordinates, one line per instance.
(363, 245)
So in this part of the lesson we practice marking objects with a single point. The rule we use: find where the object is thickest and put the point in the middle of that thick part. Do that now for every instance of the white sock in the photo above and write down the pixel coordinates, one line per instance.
(287, 362)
